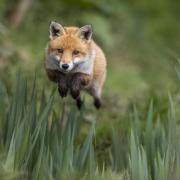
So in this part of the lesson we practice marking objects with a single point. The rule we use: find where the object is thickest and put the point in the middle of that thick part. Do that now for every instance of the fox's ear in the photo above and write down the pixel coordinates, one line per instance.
(85, 32)
(55, 29)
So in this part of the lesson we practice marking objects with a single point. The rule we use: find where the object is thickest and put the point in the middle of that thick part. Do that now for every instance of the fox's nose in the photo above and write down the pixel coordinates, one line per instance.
(65, 66)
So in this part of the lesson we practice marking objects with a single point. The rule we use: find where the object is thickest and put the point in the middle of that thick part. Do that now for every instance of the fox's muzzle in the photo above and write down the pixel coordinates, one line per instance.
(66, 67)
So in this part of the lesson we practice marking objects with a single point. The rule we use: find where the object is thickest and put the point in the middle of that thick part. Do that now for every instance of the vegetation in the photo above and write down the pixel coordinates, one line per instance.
(35, 146)
(136, 133)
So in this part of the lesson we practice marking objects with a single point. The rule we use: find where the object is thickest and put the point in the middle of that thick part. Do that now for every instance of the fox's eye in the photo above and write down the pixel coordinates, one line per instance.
(76, 52)
(60, 50)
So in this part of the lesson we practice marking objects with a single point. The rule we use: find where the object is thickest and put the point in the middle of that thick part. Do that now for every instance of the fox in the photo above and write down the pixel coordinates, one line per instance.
(75, 62)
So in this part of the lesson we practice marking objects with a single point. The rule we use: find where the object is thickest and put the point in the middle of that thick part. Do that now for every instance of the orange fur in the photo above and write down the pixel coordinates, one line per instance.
(70, 41)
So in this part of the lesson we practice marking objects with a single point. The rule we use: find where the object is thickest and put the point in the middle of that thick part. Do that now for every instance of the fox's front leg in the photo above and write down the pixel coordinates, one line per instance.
(59, 78)
(52, 75)
(78, 80)
(62, 84)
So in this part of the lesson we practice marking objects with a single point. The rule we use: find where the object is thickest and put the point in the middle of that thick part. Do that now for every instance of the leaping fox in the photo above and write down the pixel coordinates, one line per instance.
(75, 62)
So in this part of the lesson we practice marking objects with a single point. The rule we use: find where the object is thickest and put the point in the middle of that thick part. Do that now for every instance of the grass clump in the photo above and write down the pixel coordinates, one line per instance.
(34, 146)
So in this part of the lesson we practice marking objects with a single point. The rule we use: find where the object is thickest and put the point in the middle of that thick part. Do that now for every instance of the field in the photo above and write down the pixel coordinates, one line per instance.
(135, 136)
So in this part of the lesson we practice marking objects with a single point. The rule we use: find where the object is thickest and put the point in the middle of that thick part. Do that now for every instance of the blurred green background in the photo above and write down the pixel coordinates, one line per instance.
(141, 40)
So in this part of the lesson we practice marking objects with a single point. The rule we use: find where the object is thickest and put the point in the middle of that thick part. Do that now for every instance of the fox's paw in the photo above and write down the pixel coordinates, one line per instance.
(97, 103)
(79, 103)
(63, 90)
(75, 92)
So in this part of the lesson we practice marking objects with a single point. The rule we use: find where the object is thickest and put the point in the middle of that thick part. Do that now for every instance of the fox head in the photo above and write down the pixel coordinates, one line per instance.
(69, 46)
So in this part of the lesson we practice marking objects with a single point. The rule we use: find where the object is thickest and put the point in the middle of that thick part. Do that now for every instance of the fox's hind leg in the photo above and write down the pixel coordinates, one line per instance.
(97, 103)
(97, 99)
(96, 91)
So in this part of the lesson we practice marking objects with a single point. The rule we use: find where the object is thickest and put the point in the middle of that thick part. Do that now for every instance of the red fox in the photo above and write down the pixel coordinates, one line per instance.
(75, 62)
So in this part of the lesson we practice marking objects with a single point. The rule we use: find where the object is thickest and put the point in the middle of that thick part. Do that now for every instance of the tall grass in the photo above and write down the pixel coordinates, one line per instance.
(34, 146)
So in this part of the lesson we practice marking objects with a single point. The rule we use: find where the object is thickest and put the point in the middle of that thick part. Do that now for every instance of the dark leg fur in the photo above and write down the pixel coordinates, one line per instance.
(97, 103)
(63, 90)
(75, 86)
(62, 85)
(75, 91)
(59, 78)
(77, 81)
(52, 75)
(79, 102)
